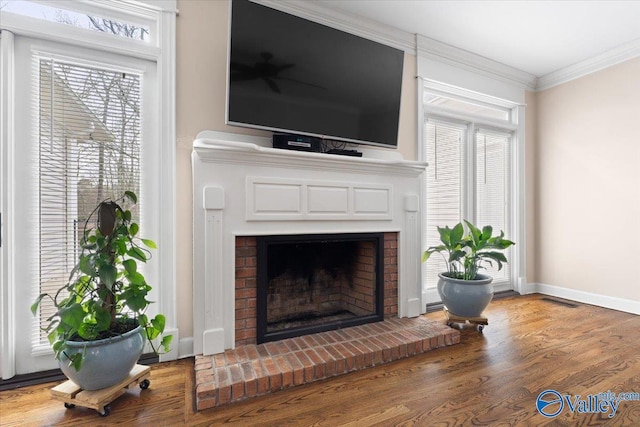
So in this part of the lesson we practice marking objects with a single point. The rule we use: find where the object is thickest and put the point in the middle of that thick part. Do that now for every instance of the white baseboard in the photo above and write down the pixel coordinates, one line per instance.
(185, 347)
(615, 303)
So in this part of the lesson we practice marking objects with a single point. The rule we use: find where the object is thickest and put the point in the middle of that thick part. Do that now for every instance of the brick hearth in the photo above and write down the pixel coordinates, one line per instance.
(252, 370)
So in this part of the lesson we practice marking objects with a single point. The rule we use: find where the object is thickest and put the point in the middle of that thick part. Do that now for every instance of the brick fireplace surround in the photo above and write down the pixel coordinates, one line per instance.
(246, 290)
(242, 189)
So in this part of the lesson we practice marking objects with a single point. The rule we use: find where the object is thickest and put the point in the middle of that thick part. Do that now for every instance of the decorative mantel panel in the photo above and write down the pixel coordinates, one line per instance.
(242, 187)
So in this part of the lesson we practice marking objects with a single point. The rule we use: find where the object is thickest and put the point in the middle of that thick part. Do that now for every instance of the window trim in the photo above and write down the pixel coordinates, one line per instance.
(516, 125)
(163, 53)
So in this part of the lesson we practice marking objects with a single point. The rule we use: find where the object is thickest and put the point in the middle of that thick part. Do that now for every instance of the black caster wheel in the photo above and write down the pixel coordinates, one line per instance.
(480, 328)
(69, 405)
(105, 412)
(145, 384)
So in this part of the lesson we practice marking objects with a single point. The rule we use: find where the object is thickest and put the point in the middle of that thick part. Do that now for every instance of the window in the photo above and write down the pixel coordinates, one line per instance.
(89, 140)
(86, 113)
(68, 16)
(469, 152)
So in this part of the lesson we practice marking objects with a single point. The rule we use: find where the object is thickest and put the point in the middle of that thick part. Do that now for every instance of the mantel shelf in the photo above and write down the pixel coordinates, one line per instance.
(213, 146)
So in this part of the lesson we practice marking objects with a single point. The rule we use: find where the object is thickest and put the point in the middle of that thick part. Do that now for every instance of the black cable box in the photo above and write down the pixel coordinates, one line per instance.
(297, 142)
(340, 152)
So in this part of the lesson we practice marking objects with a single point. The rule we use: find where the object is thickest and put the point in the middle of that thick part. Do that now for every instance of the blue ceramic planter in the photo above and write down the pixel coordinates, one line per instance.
(106, 362)
(465, 298)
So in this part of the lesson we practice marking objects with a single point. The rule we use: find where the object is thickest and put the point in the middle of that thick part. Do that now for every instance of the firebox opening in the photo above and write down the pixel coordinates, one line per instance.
(314, 283)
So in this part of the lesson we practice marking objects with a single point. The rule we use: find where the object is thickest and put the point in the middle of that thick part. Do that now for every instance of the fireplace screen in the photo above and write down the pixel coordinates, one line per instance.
(314, 283)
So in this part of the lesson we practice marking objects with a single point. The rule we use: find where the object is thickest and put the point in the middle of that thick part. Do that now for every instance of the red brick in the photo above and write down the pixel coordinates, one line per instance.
(272, 348)
(262, 351)
(291, 345)
(230, 357)
(297, 367)
(252, 352)
(206, 391)
(359, 357)
(218, 360)
(349, 357)
(223, 385)
(203, 362)
(318, 364)
(242, 272)
(203, 404)
(262, 376)
(308, 366)
(237, 382)
(250, 381)
(340, 360)
(329, 361)
(286, 370)
(275, 376)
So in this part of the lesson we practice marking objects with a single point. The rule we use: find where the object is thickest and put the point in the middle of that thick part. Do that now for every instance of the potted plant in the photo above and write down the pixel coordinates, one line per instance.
(463, 290)
(99, 327)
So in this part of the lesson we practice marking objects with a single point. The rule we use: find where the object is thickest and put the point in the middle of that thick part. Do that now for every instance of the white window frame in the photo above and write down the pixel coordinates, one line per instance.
(160, 16)
(515, 124)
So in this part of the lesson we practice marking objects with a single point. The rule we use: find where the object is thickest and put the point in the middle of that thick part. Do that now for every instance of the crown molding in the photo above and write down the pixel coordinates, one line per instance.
(607, 59)
(353, 24)
(402, 40)
(417, 44)
(452, 55)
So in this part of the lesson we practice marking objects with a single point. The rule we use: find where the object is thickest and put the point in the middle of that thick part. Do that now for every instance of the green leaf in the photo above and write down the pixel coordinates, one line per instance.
(36, 303)
(72, 316)
(426, 255)
(131, 196)
(76, 360)
(149, 243)
(474, 232)
(136, 279)
(103, 319)
(158, 322)
(487, 231)
(86, 265)
(456, 234)
(134, 228)
(130, 266)
(445, 235)
(88, 331)
(137, 253)
(108, 273)
(166, 343)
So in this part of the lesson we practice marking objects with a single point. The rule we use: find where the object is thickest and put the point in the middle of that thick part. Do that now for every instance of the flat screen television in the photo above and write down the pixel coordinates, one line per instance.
(288, 74)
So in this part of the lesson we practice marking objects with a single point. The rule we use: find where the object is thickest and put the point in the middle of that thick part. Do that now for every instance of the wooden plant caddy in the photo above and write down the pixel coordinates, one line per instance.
(479, 322)
(72, 395)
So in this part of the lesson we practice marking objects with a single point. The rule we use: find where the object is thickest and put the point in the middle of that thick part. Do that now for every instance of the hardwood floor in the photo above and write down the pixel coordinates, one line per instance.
(494, 378)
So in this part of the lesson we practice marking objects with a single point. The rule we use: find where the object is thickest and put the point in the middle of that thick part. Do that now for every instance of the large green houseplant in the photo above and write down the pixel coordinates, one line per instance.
(463, 289)
(105, 297)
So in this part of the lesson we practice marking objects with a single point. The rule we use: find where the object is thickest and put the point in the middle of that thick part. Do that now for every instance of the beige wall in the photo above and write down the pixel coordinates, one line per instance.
(531, 112)
(201, 51)
(587, 183)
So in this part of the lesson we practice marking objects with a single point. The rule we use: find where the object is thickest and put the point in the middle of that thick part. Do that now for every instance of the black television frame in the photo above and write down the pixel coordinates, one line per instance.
(328, 139)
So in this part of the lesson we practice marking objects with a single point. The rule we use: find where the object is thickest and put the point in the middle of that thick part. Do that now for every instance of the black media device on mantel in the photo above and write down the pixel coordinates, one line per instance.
(297, 142)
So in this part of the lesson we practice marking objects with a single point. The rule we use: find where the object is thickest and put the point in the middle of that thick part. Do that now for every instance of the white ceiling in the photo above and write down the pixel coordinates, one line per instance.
(538, 37)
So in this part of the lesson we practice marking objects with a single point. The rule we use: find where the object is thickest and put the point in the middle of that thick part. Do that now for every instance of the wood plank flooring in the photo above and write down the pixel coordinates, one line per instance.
(494, 378)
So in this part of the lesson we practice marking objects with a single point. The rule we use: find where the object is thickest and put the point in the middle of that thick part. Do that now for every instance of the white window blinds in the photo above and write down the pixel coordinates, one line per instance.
(493, 174)
(445, 186)
(88, 131)
(452, 180)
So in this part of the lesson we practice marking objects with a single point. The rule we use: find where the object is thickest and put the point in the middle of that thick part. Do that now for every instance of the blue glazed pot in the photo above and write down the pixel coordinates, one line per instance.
(465, 298)
(106, 362)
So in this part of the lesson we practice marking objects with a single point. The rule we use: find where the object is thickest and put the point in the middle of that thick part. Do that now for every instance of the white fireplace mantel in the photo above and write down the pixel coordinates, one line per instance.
(242, 187)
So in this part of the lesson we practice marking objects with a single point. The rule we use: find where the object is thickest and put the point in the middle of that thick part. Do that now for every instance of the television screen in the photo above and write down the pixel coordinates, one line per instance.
(292, 75)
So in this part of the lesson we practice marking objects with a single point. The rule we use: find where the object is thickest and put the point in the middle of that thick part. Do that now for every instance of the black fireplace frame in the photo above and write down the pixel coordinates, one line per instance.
(263, 243)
